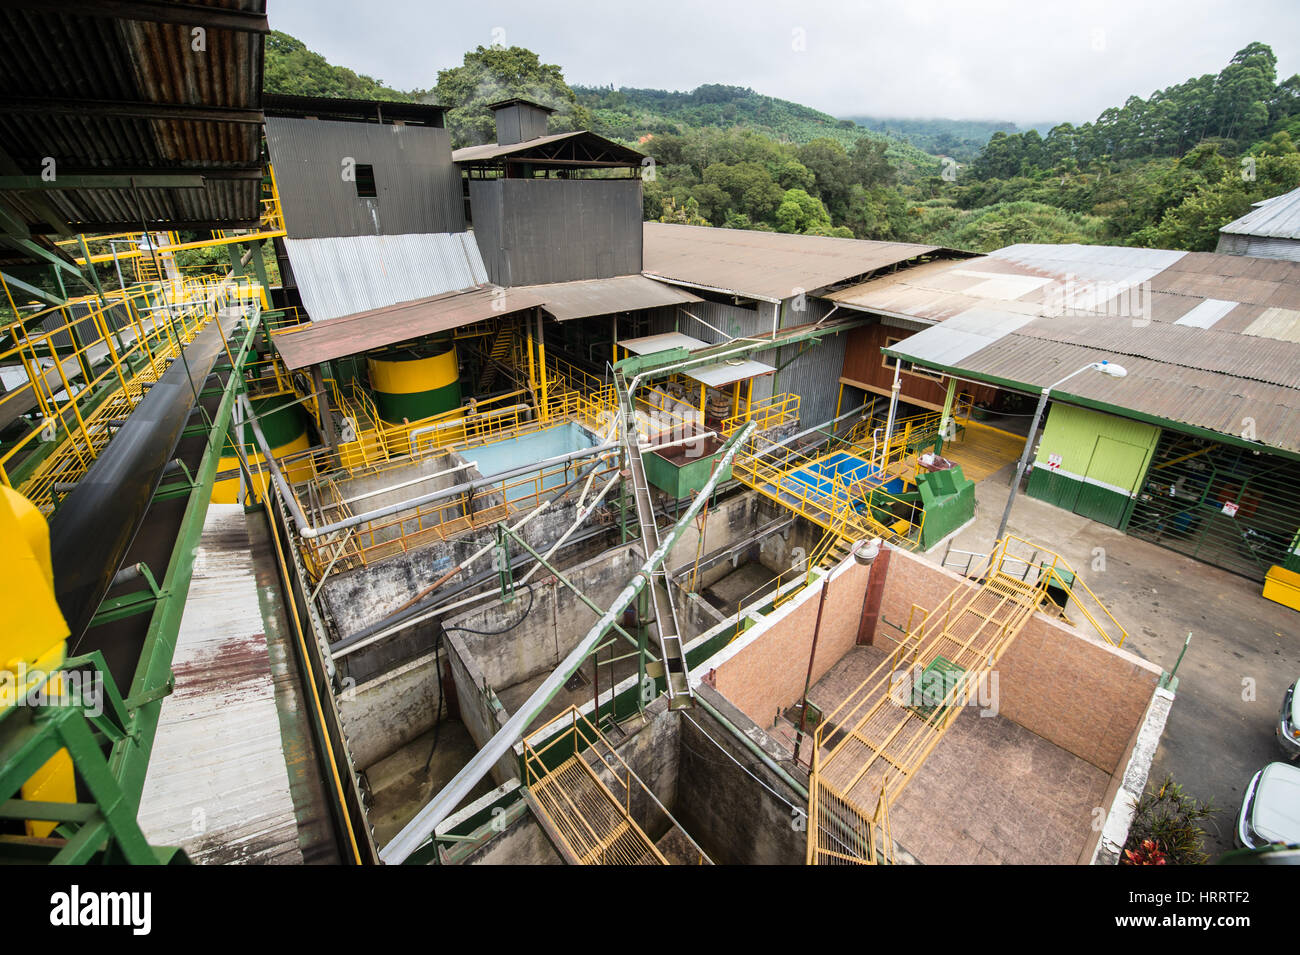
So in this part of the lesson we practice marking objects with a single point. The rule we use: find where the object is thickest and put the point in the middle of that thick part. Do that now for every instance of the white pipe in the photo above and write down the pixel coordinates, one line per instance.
(457, 422)
(893, 412)
(397, 487)
(577, 522)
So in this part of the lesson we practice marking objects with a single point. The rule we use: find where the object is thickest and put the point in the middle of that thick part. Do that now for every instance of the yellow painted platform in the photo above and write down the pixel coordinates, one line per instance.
(981, 450)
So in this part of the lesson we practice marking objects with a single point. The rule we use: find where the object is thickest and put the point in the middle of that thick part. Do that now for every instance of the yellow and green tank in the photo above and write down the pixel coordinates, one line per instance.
(414, 382)
(284, 423)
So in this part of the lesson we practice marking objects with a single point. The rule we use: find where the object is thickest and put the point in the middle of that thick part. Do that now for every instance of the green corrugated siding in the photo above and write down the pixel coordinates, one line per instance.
(1053, 488)
(1100, 504)
(1072, 433)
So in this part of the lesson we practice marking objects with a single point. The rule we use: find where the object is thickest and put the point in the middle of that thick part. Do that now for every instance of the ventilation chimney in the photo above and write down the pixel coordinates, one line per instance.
(519, 120)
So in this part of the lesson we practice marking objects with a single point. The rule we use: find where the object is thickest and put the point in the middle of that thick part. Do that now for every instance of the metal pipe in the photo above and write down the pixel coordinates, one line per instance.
(307, 530)
(402, 484)
(807, 431)
(753, 747)
(416, 832)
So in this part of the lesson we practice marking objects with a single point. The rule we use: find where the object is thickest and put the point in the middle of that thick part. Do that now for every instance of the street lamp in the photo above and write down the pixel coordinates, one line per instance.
(1106, 368)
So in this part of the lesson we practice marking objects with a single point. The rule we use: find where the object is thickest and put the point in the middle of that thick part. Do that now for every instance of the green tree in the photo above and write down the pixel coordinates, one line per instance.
(292, 68)
(491, 74)
(800, 212)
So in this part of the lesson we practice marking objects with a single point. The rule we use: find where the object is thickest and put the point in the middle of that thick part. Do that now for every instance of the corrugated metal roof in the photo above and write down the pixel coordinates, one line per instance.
(344, 275)
(768, 266)
(1208, 340)
(377, 328)
(489, 151)
(1279, 218)
(728, 372)
(103, 93)
(664, 341)
(622, 293)
(1217, 402)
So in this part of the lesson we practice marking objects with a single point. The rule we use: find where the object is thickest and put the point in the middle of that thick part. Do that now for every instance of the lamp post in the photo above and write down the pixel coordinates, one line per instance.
(1106, 368)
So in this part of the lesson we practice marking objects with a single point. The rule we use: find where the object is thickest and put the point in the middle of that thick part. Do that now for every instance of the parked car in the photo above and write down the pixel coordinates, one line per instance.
(1288, 724)
(1270, 813)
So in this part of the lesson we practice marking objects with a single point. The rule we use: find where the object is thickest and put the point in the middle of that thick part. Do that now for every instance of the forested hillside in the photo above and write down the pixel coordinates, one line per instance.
(961, 139)
(1164, 172)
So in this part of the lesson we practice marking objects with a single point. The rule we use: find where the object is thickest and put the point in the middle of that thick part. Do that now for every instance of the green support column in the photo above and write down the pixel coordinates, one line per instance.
(236, 266)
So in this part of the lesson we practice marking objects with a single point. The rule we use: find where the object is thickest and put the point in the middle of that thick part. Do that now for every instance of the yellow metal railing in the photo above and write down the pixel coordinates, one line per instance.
(1054, 570)
(587, 811)
(861, 508)
(322, 492)
(767, 413)
(88, 363)
(867, 749)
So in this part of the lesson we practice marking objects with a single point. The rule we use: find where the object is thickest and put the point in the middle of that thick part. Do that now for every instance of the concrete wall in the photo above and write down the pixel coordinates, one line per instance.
(386, 713)
(555, 623)
(1060, 683)
(358, 598)
(480, 710)
(429, 474)
(763, 671)
(735, 819)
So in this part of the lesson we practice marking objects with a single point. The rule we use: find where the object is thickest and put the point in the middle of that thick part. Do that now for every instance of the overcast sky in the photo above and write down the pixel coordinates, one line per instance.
(1029, 62)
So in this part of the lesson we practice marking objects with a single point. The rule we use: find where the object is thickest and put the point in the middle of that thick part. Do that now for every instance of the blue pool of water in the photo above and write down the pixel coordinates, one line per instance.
(527, 449)
(849, 468)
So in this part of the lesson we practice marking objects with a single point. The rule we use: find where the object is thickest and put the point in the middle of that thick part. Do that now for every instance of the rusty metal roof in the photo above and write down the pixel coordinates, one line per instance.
(767, 266)
(379, 327)
(590, 297)
(1209, 341)
(119, 89)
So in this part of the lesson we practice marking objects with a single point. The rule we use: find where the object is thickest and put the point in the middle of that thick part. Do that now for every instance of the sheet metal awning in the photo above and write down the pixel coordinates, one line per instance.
(715, 375)
(621, 293)
(366, 331)
(662, 342)
(727, 373)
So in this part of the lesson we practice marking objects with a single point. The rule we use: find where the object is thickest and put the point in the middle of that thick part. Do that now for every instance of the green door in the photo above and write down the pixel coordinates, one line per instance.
(1115, 466)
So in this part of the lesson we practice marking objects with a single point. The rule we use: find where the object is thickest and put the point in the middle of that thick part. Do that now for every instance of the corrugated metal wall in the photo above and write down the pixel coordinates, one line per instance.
(813, 375)
(418, 187)
(1260, 246)
(1103, 460)
(517, 124)
(349, 274)
(535, 231)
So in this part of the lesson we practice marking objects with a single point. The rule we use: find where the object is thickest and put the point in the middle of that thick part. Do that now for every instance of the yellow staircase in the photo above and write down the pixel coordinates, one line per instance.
(502, 348)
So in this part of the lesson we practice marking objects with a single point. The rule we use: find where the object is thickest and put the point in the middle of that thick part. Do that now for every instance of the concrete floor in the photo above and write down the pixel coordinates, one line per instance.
(1244, 652)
